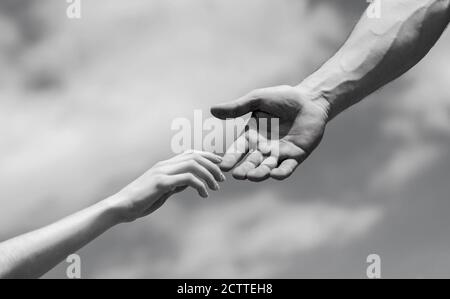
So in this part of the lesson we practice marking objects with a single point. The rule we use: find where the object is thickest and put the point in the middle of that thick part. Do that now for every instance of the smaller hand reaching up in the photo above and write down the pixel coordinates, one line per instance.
(302, 120)
(33, 254)
(149, 192)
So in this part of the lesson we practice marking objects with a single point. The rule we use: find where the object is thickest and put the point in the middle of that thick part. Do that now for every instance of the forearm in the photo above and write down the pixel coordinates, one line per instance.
(378, 51)
(33, 254)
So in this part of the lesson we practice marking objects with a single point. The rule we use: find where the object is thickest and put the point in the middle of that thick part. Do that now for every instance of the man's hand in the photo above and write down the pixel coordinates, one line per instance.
(302, 120)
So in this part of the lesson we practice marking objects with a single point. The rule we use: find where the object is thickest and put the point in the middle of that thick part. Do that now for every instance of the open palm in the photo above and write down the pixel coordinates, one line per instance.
(277, 149)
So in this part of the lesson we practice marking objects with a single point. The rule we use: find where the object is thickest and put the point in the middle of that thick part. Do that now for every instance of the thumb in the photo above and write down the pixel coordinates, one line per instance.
(236, 108)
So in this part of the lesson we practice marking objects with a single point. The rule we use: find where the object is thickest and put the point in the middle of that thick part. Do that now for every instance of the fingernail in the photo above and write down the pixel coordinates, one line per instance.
(223, 177)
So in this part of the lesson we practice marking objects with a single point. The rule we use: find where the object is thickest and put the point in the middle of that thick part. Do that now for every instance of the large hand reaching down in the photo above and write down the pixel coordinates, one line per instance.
(302, 120)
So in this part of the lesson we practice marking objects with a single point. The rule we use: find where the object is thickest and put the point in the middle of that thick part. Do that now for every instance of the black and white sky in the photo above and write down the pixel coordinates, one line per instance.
(86, 106)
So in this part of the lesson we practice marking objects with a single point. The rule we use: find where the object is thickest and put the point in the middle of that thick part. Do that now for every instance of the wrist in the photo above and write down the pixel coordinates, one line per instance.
(116, 208)
(316, 96)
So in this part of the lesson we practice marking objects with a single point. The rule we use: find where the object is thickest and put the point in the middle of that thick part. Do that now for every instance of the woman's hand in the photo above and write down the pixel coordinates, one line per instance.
(33, 254)
(149, 192)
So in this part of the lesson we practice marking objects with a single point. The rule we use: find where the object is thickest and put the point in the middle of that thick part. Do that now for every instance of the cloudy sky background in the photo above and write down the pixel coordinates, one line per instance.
(87, 105)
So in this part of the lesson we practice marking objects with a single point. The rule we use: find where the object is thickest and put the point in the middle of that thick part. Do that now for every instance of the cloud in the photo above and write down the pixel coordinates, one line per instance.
(251, 237)
(262, 234)
(404, 165)
(122, 76)
(418, 120)
(128, 68)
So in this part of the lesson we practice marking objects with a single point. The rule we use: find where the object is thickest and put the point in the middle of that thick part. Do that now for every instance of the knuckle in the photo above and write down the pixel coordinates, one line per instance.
(192, 164)
(160, 181)
(196, 156)
(190, 177)
(154, 172)
(199, 183)
(161, 169)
